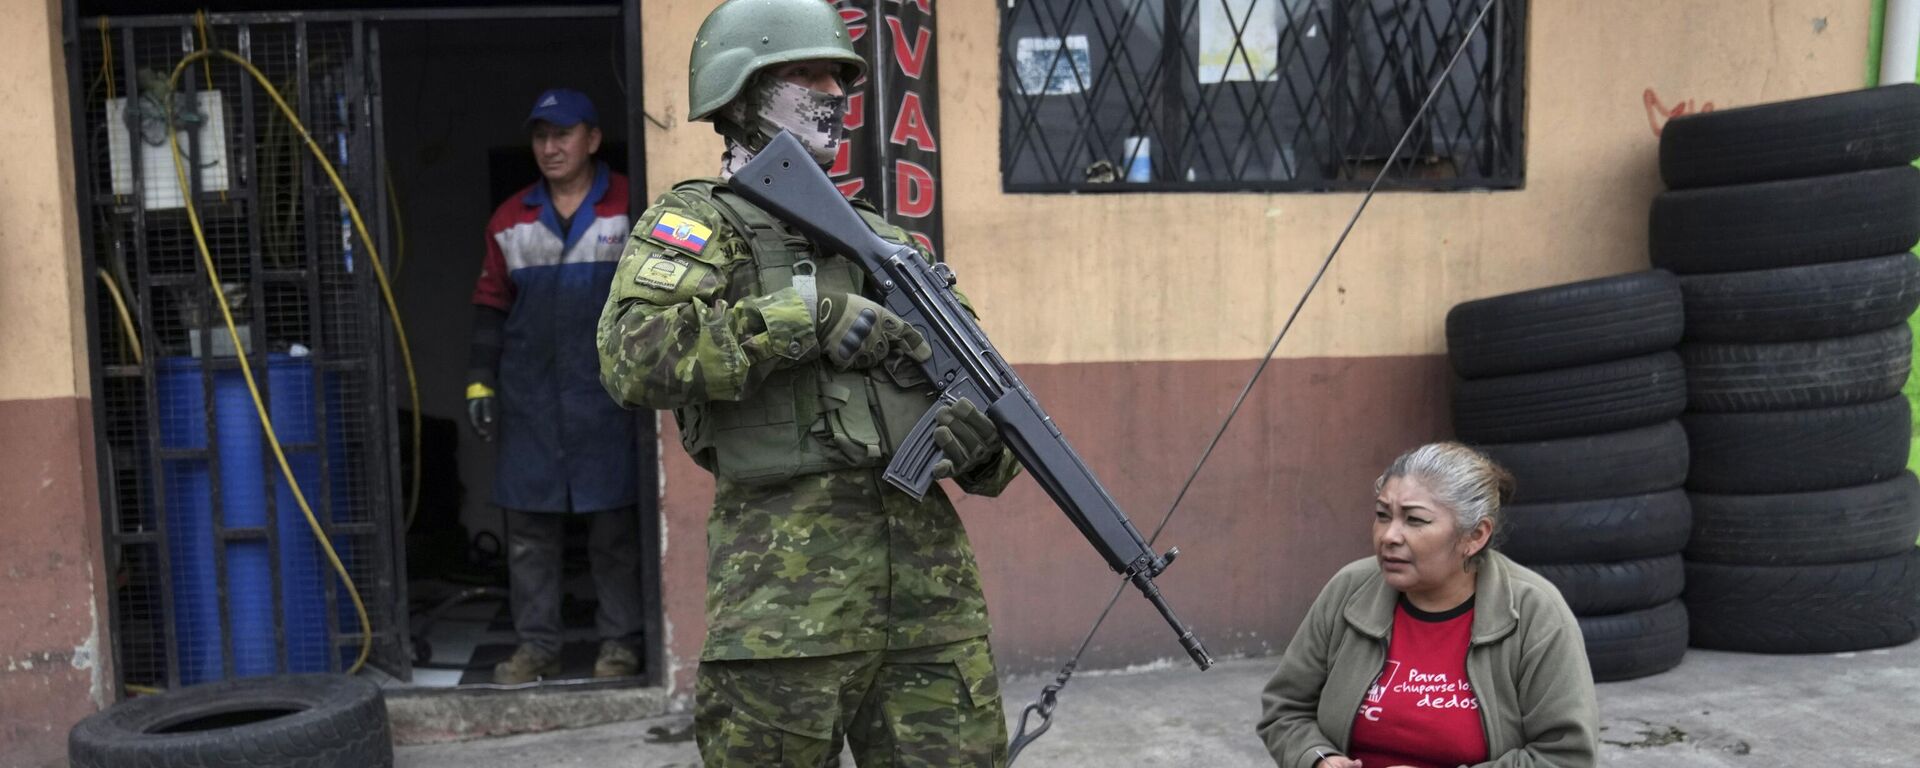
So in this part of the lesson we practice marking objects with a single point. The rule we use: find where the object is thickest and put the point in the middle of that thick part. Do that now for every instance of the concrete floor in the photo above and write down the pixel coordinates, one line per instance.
(1716, 709)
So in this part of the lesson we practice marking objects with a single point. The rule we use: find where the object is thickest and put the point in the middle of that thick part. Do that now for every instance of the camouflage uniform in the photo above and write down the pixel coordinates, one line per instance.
(836, 605)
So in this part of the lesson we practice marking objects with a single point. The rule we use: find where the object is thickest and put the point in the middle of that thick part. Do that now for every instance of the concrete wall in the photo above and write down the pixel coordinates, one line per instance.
(1141, 357)
(53, 638)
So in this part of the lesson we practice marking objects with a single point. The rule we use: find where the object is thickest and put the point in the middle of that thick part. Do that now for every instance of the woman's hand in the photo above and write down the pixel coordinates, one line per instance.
(1337, 761)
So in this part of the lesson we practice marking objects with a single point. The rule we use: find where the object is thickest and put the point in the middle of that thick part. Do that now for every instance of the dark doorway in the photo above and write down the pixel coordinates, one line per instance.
(456, 95)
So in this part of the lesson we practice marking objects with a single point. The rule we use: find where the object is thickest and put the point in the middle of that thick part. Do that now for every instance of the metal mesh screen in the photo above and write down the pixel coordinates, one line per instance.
(215, 572)
(1276, 95)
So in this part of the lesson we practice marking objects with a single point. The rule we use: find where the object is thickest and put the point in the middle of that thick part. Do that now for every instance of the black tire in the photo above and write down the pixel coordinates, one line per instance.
(1625, 463)
(1566, 402)
(1797, 375)
(1598, 589)
(1835, 133)
(1805, 608)
(1635, 644)
(290, 721)
(1777, 224)
(1800, 303)
(1601, 530)
(1565, 325)
(1794, 451)
(1842, 525)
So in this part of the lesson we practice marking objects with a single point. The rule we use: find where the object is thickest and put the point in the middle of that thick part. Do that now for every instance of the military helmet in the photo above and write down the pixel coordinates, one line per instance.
(742, 37)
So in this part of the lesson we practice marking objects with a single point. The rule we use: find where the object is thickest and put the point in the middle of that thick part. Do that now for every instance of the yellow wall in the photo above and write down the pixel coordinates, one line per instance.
(42, 325)
(54, 658)
(1096, 278)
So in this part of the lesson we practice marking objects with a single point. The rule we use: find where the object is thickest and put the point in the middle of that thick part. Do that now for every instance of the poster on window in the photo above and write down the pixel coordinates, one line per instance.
(1052, 66)
(892, 153)
(1239, 40)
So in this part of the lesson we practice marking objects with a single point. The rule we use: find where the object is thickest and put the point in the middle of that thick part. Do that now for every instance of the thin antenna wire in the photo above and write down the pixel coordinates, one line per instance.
(1048, 695)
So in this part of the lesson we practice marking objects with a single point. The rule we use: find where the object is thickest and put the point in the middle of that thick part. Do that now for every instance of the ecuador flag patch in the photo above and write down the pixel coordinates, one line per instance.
(681, 232)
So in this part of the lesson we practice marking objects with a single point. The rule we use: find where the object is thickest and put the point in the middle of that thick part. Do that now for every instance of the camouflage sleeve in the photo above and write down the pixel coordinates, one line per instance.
(668, 336)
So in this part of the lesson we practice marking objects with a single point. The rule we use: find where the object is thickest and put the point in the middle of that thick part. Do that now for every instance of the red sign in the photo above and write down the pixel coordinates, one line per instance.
(892, 152)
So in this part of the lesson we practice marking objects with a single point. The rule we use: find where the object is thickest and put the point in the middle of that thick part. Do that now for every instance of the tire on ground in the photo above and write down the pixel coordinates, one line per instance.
(1776, 224)
(1835, 133)
(1805, 608)
(1794, 451)
(1565, 402)
(288, 721)
(1635, 644)
(1625, 463)
(1565, 325)
(1598, 530)
(1598, 589)
(1800, 303)
(1797, 375)
(1817, 527)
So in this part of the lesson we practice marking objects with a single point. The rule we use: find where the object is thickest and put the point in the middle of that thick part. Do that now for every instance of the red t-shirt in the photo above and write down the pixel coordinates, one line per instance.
(1421, 711)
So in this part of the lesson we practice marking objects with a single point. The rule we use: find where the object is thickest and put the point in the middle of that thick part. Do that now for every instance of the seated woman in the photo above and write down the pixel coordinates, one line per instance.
(1437, 650)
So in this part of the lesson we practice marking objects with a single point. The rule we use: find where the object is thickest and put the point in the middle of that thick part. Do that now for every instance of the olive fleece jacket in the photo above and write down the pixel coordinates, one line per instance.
(1526, 661)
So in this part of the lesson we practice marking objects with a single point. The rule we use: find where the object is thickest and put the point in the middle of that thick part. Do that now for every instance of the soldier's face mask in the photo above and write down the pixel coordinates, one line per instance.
(818, 120)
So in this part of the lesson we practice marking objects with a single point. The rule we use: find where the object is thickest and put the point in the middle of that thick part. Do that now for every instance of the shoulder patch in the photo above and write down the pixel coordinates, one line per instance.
(680, 232)
(661, 271)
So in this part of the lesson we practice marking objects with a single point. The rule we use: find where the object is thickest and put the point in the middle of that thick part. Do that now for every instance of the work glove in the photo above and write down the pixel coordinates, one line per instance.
(856, 332)
(966, 436)
(480, 410)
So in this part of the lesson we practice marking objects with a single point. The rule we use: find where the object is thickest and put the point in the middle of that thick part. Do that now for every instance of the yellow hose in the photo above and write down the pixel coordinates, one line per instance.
(399, 242)
(246, 368)
(126, 318)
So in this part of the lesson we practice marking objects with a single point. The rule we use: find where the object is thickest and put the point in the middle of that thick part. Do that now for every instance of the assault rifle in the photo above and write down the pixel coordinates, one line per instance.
(783, 180)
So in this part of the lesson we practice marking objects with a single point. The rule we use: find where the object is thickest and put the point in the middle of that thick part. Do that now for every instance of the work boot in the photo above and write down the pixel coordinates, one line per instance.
(527, 664)
(616, 660)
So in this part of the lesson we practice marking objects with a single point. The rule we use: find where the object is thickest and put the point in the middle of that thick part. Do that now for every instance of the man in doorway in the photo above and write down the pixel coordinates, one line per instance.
(838, 607)
(533, 382)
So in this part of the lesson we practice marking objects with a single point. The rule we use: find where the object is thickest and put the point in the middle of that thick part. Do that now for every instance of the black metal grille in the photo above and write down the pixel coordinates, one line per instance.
(1264, 95)
(192, 489)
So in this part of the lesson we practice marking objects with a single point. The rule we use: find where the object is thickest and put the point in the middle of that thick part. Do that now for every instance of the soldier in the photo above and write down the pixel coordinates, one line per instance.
(837, 606)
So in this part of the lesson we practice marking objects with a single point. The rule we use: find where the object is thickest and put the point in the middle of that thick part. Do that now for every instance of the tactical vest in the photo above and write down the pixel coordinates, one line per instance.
(809, 418)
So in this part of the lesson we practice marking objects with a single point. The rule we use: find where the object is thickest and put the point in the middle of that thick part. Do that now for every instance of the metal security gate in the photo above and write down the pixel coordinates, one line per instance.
(215, 572)
(1258, 95)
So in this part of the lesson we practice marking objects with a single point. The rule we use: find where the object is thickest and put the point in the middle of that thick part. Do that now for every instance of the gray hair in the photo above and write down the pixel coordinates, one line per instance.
(1463, 480)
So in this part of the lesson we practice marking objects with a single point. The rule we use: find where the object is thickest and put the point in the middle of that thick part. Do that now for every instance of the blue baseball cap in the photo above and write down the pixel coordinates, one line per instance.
(563, 107)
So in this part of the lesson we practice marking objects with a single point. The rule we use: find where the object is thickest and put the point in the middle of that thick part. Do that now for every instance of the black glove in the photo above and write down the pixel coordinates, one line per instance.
(480, 410)
(967, 437)
(855, 332)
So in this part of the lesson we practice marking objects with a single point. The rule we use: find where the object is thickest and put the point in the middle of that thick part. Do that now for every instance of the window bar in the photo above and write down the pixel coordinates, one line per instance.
(245, 198)
(390, 563)
(210, 319)
(364, 178)
(142, 267)
(309, 228)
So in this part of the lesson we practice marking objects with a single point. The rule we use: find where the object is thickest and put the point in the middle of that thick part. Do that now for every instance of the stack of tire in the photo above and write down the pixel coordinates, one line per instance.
(1576, 389)
(1790, 225)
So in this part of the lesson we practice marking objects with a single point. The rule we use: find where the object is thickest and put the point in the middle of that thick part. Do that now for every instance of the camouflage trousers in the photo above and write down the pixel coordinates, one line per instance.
(932, 706)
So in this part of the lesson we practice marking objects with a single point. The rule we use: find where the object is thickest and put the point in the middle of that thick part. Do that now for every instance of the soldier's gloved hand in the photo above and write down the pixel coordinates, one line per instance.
(856, 332)
(967, 438)
(480, 410)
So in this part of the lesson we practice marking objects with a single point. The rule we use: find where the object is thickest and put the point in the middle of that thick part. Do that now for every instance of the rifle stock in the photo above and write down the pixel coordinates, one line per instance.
(783, 180)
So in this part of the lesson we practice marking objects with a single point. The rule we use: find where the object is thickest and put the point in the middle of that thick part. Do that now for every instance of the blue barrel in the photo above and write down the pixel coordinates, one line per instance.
(246, 465)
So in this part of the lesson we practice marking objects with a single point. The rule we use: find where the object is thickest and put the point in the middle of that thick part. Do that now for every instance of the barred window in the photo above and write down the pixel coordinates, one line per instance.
(1257, 95)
